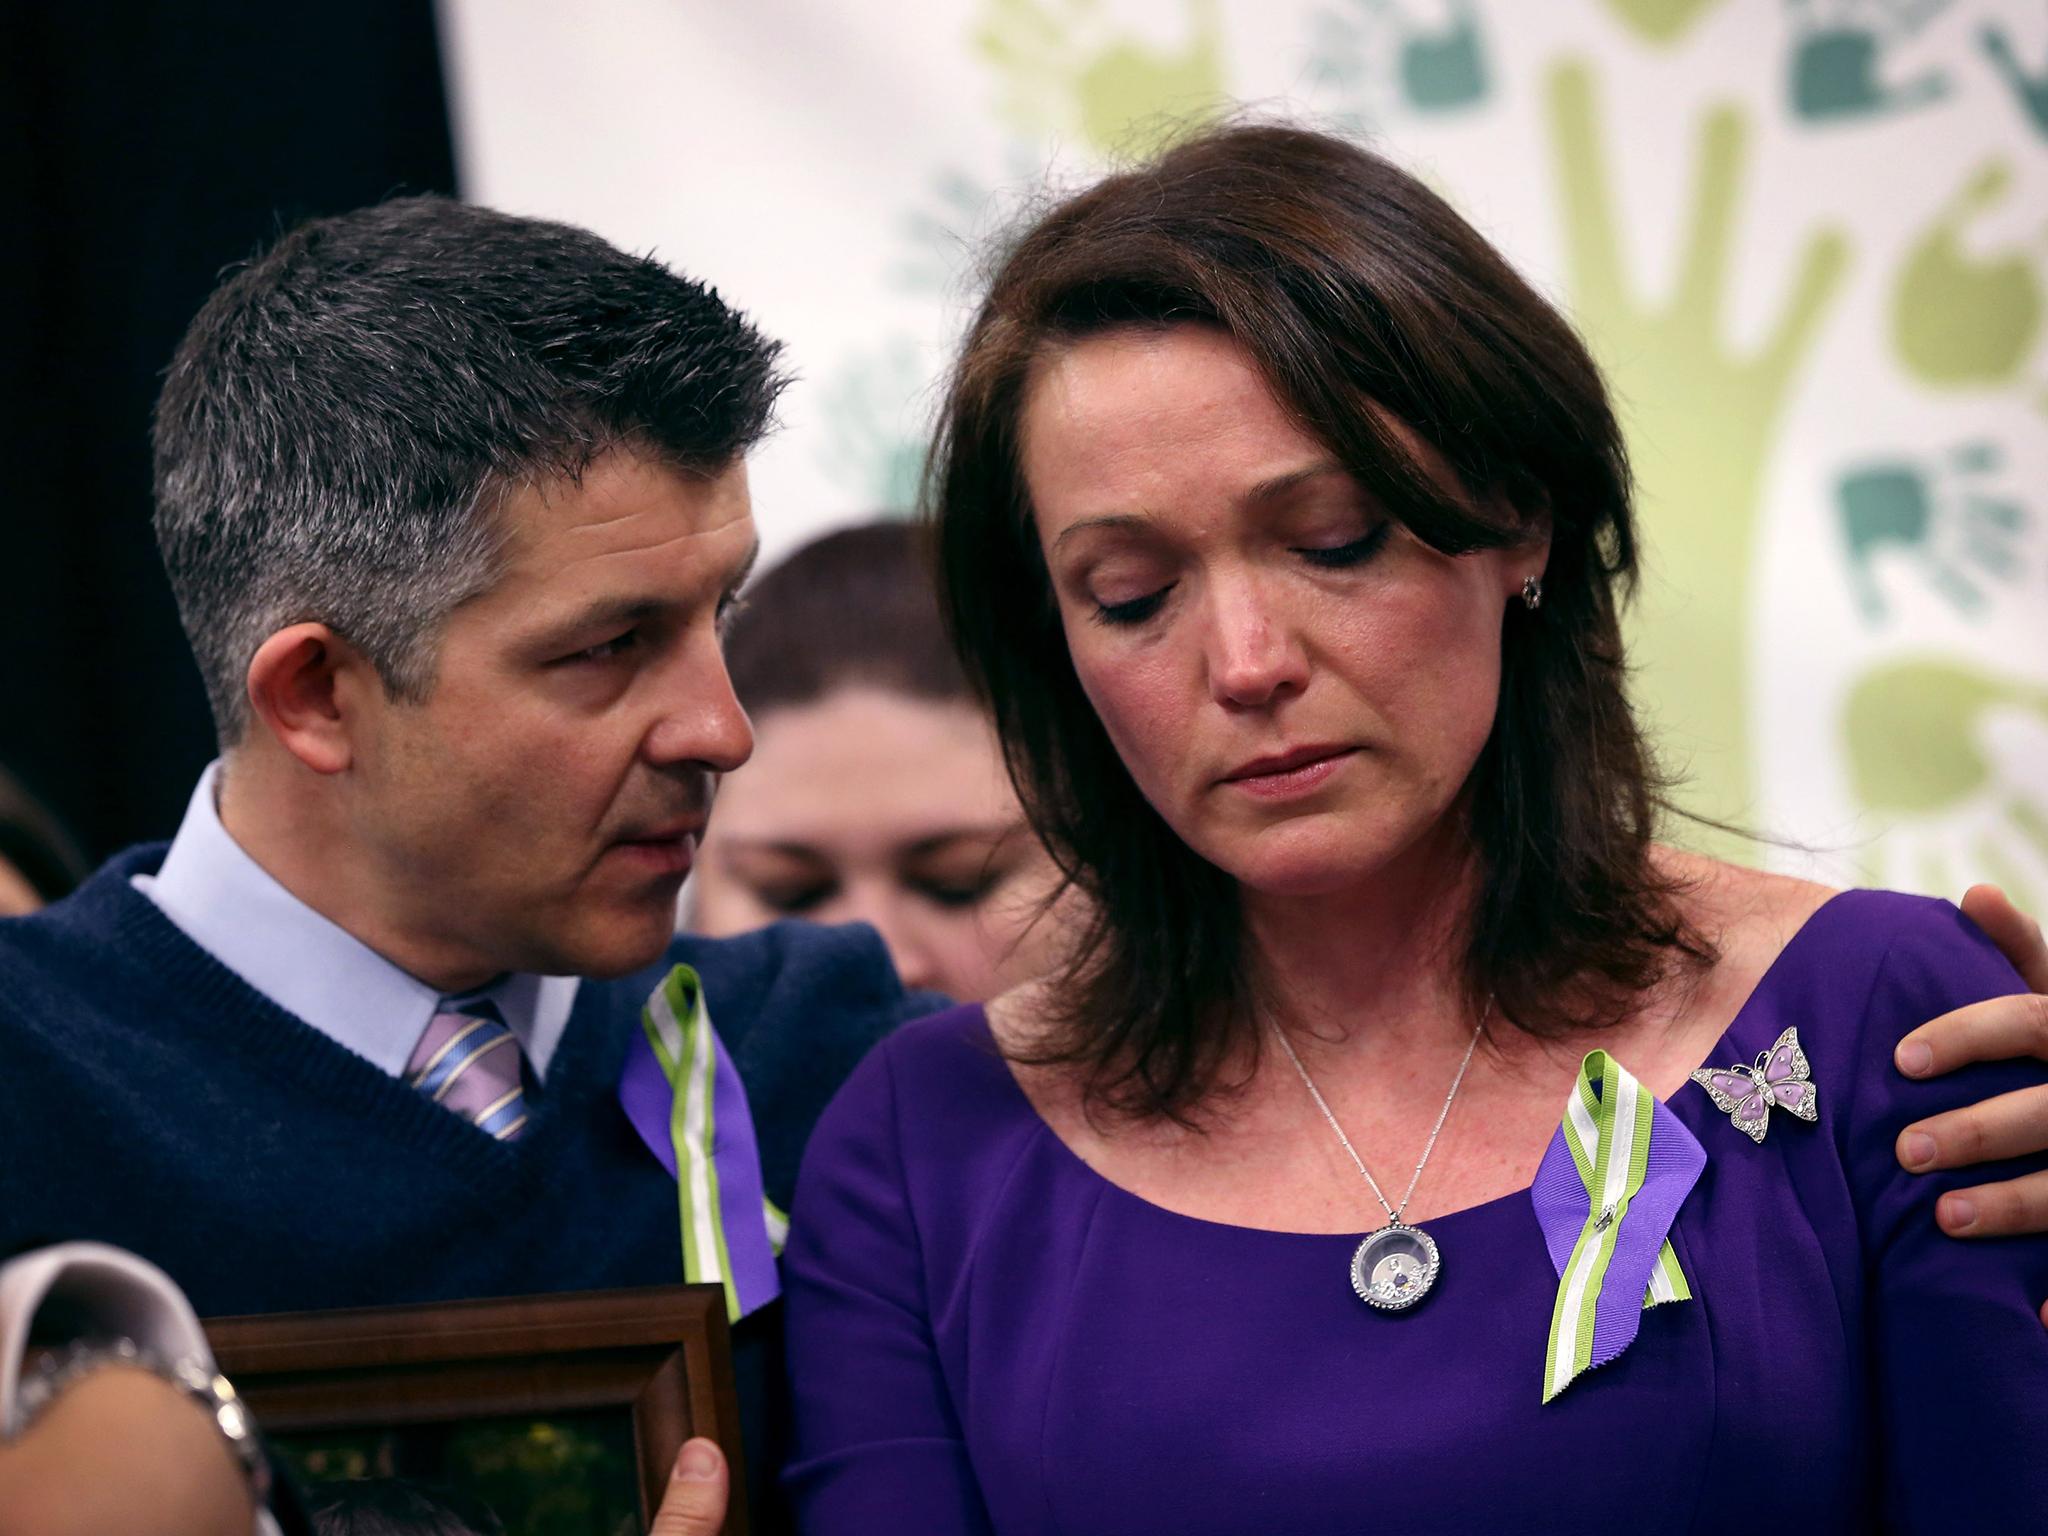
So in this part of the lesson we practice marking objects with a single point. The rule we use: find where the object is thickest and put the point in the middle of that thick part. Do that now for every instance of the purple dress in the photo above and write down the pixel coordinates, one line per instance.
(986, 1335)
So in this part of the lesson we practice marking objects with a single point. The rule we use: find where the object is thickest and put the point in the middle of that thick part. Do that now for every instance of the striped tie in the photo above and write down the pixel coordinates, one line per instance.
(470, 1063)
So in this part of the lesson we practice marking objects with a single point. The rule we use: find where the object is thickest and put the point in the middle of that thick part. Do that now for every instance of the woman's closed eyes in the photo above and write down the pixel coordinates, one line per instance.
(1358, 551)
(955, 872)
(1329, 557)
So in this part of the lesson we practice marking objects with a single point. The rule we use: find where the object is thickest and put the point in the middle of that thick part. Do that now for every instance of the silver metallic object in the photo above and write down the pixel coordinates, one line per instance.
(1396, 1266)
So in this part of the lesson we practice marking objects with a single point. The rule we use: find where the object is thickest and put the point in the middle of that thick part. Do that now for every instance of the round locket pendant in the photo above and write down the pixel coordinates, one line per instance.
(1395, 1267)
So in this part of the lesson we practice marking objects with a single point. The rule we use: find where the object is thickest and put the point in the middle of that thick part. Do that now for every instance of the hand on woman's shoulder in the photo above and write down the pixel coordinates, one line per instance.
(1868, 967)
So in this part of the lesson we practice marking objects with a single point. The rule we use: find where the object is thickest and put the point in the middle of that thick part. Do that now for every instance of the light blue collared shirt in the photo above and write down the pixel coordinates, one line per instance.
(227, 904)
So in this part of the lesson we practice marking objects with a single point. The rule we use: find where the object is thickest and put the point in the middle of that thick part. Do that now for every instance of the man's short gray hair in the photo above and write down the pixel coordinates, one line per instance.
(337, 422)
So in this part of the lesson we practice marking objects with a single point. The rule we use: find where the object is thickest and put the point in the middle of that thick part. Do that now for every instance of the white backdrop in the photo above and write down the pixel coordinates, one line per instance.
(1809, 241)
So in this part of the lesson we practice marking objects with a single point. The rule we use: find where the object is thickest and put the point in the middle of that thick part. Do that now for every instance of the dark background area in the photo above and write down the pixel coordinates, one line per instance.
(155, 145)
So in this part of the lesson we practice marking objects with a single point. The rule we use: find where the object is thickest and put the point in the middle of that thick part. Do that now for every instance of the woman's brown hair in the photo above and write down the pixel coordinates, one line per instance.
(1368, 305)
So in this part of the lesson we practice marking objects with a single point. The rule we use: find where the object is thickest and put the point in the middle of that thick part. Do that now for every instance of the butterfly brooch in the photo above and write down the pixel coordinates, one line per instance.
(1746, 1094)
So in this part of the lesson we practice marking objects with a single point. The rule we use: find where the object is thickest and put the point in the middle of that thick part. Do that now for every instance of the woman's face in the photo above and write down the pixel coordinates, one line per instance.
(1297, 685)
(868, 806)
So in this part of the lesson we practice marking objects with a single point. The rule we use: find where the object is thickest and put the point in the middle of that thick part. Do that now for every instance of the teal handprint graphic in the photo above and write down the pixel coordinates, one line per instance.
(1067, 71)
(2028, 86)
(874, 447)
(1701, 420)
(959, 210)
(1962, 320)
(1373, 49)
(940, 232)
(1662, 21)
(1923, 759)
(1839, 56)
(1938, 515)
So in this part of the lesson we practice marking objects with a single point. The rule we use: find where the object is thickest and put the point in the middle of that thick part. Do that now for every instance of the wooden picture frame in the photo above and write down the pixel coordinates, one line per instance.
(661, 1352)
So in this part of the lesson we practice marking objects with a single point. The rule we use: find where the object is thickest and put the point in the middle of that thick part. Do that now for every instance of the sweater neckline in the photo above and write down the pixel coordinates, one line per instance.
(202, 996)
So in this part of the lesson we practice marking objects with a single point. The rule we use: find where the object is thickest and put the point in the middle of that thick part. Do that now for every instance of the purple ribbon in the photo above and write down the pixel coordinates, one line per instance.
(1563, 1207)
(649, 1102)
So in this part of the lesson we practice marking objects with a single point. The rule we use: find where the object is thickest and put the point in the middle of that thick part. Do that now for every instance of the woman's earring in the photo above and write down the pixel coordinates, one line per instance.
(1532, 592)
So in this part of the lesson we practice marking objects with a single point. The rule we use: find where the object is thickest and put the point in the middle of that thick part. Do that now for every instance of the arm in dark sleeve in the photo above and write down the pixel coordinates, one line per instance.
(877, 1440)
(1959, 1354)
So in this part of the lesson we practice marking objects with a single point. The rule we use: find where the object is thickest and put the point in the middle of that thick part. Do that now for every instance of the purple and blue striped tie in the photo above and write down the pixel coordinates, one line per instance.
(470, 1062)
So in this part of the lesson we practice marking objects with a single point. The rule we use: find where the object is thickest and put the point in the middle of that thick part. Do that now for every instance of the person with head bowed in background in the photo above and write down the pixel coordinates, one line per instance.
(1407, 1127)
(452, 504)
(876, 794)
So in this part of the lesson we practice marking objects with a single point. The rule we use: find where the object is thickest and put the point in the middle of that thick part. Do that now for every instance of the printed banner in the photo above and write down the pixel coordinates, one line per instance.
(1805, 238)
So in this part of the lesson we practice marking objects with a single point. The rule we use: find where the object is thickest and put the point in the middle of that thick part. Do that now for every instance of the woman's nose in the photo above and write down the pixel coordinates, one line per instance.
(916, 961)
(1254, 656)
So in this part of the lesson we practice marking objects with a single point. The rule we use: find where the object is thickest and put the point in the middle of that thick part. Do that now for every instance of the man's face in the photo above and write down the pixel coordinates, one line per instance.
(539, 809)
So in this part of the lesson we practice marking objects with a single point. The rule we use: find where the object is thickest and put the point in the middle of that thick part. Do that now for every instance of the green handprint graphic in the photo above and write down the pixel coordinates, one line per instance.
(871, 447)
(1440, 69)
(1067, 73)
(1701, 421)
(1919, 759)
(1958, 320)
(1936, 515)
(1837, 62)
(2031, 89)
(1661, 21)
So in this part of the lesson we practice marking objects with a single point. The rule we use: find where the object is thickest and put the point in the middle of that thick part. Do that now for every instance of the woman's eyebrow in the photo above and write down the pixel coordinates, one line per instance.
(994, 836)
(783, 847)
(1271, 487)
(1091, 524)
(766, 860)
(1279, 485)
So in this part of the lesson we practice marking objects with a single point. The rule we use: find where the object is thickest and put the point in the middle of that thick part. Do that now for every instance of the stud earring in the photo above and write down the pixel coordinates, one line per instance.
(1532, 592)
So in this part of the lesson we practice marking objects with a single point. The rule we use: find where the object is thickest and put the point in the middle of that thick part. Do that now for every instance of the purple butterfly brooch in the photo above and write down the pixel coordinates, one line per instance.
(1746, 1094)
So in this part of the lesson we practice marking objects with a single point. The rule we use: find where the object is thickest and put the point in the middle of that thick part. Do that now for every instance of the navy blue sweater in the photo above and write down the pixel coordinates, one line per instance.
(151, 1098)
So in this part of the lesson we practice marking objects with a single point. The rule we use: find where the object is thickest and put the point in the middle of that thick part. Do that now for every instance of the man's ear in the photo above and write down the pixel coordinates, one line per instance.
(303, 682)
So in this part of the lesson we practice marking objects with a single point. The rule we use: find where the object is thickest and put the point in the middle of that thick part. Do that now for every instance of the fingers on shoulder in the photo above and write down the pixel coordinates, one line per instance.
(2013, 1208)
(2004, 1126)
(1996, 1029)
(2013, 931)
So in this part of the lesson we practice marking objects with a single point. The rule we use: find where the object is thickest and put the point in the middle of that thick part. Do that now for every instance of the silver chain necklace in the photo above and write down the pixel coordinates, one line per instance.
(1394, 1267)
